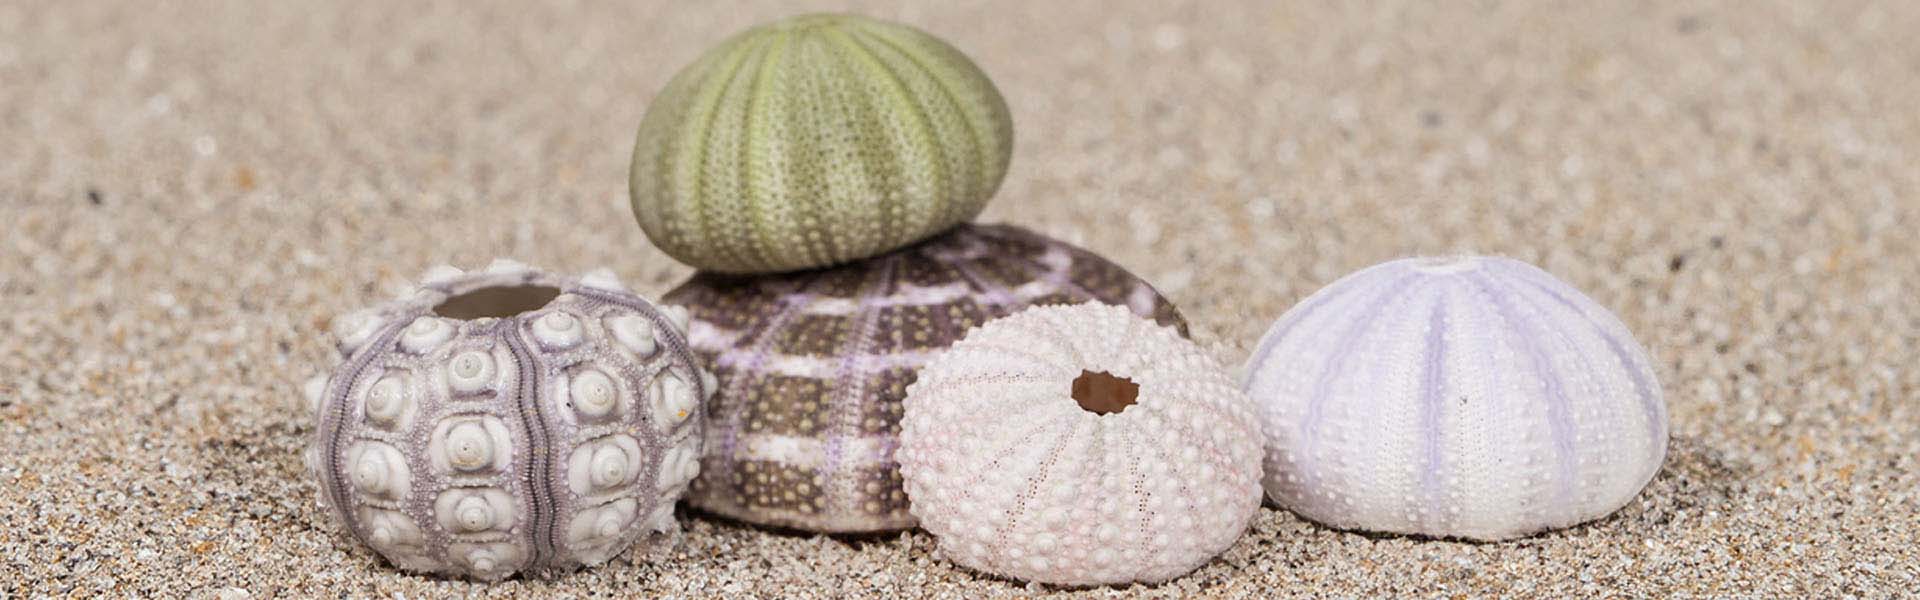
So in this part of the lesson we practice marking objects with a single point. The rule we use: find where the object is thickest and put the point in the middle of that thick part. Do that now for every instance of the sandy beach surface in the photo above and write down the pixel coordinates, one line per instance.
(188, 190)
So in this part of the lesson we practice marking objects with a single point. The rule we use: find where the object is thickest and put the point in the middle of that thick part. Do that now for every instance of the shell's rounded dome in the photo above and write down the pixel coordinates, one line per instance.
(813, 366)
(508, 421)
(1080, 445)
(1469, 397)
(816, 141)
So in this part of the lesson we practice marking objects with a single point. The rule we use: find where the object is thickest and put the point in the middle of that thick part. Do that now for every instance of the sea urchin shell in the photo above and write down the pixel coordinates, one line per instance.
(815, 141)
(1080, 445)
(1463, 397)
(813, 365)
(508, 421)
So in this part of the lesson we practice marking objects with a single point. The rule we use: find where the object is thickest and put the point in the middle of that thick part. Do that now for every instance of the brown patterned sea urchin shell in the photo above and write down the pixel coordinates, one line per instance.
(508, 421)
(813, 366)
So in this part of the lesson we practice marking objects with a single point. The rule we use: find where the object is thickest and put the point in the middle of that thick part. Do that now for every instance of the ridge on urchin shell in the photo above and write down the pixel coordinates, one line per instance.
(816, 141)
(1469, 397)
(812, 366)
(429, 431)
(1018, 473)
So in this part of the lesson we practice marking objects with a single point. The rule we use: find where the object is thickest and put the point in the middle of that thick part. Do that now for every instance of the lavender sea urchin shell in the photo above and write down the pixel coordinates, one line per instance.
(813, 365)
(1080, 445)
(508, 421)
(1466, 397)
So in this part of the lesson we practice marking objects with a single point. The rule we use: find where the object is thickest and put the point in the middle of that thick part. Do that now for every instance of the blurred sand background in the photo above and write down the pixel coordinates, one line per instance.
(188, 190)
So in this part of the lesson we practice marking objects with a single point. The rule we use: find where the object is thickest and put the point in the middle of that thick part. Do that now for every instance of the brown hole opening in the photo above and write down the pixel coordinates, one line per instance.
(498, 302)
(1101, 393)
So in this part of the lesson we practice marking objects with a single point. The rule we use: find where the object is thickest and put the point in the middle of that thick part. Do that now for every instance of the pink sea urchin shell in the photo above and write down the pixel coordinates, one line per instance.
(508, 421)
(1079, 445)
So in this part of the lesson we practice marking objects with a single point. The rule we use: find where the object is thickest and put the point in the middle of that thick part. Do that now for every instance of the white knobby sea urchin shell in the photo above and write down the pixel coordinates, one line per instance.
(1079, 445)
(508, 421)
(1466, 397)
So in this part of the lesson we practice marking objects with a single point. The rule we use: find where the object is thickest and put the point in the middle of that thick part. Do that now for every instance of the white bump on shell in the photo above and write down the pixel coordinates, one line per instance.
(1496, 401)
(506, 266)
(390, 528)
(680, 466)
(593, 527)
(469, 447)
(354, 329)
(557, 330)
(425, 334)
(635, 332)
(481, 560)
(370, 474)
(441, 274)
(609, 467)
(474, 514)
(378, 469)
(603, 279)
(708, 383)
(474, 444)
(470, 371)
(677, 316)
(402, 529)
(593, 393)
(386, 400)
(486, 561)
(673, 401)
(473, 510)
(382, 535)
(604, 465)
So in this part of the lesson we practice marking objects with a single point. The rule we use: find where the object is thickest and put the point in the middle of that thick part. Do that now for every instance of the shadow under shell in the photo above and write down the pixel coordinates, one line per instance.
(813, 365)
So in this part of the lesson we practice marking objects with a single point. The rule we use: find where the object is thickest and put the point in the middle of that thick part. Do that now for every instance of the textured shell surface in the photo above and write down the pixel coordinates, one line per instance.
(508, 421)
(813, 366)
(1468, 397)
(1018, 475)
(815, 141)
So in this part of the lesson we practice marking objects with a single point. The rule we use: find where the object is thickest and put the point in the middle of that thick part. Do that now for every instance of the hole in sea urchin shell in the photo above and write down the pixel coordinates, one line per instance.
(497, 302)
(1102, 393)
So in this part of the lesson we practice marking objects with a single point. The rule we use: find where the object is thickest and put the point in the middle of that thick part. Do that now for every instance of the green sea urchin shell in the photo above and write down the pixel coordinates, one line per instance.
(815, 141)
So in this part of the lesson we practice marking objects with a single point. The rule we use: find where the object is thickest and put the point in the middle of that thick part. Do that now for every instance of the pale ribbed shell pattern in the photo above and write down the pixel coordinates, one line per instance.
(554, 431)
(1467, 397)
(1015, 478)
(814, 141)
